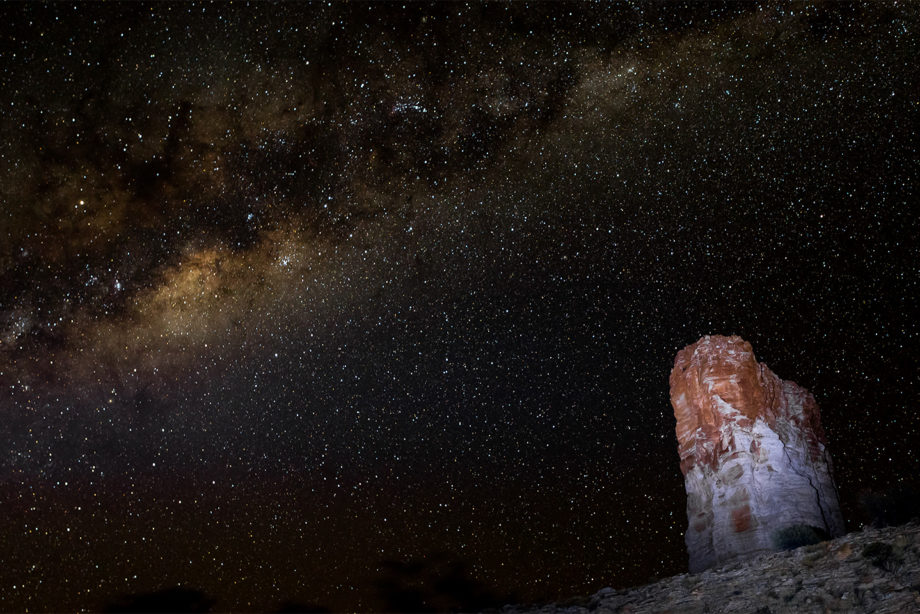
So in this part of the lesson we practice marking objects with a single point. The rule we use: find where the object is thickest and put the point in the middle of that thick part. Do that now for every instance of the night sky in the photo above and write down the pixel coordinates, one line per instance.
(374, 306)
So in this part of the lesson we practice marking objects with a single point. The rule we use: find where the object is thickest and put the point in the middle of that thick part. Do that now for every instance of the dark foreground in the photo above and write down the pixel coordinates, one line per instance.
(873, 570)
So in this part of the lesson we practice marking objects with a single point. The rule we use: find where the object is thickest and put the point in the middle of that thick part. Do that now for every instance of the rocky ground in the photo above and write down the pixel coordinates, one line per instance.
(873, 570)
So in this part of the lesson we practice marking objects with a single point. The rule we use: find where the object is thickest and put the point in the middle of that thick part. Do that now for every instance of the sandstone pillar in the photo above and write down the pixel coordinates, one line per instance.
(752, 452)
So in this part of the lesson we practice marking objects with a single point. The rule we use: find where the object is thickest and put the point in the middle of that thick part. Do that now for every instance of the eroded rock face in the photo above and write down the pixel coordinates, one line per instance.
(752, 452)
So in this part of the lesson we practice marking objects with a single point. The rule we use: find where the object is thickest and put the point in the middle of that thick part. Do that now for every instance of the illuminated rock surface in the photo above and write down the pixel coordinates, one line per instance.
(752, 452)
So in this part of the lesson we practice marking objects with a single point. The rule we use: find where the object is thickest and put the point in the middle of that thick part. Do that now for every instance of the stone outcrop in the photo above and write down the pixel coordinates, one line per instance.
(874, 570)
(752, 452)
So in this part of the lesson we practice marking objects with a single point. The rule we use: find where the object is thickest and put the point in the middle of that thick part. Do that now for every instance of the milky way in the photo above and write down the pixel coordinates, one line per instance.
(373, 307)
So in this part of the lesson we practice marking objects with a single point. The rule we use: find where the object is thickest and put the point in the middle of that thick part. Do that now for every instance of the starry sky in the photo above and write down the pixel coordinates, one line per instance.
(373, 307)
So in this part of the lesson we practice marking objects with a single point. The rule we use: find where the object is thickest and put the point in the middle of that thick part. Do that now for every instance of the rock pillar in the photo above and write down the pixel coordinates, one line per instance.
(752, 452)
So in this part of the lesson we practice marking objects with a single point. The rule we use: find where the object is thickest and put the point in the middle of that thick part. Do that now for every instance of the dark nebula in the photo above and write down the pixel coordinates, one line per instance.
(372, 307)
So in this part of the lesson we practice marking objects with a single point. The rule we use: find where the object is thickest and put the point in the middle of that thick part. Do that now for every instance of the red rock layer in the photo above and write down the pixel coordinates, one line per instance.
(717, 371)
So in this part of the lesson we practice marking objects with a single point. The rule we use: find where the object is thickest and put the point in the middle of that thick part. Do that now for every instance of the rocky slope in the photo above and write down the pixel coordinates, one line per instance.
(873, 570)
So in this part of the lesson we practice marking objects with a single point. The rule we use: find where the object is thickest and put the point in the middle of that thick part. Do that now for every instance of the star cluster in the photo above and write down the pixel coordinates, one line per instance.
(373, 307)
